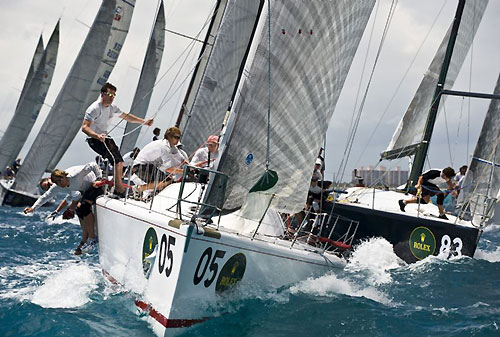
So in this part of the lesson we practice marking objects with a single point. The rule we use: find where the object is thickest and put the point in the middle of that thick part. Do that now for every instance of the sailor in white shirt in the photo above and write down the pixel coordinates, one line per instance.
(161, 161)
(206, 156)
(95, 124)
(80, 184)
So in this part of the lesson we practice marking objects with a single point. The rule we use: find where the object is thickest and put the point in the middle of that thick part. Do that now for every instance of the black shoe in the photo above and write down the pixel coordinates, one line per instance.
(119, 194)
(443, 216)
(402, 205)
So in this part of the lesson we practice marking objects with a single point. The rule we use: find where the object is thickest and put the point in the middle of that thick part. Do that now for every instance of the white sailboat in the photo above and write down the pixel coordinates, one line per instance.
(147, 79)
(417, 232)
(90, 71)
(175, 257)
(29, 105)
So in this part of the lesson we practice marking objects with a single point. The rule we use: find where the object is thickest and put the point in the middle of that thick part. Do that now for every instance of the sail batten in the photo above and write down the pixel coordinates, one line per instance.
(411, 127)
(312, 47)
(147, 79)
(85, 79)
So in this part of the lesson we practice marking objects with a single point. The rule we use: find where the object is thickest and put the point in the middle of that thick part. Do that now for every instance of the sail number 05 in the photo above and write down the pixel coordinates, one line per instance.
(166, 254)
(206, 261)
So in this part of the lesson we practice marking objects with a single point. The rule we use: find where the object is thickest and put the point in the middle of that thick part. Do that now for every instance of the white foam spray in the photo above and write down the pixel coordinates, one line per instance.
(69, 287)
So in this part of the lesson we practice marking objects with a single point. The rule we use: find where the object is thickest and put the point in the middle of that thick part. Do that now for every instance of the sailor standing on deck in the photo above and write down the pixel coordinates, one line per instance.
(82, 188)
(95, 123)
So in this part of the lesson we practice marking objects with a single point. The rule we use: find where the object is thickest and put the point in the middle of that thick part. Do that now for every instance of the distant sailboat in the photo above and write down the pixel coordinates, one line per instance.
(147, 79)
(90, 71)
(30, 103)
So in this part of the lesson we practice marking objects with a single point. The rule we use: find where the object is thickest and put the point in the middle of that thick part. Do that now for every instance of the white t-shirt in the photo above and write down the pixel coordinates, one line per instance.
(160, 153)
(80, 179)
(201, 156)
(101, 116)
(127, 159)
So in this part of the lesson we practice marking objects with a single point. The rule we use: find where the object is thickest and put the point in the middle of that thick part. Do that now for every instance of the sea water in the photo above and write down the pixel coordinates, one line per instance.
(47, 291)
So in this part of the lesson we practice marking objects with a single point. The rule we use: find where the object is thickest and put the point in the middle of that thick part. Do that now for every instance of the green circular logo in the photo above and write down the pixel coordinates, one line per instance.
(148, 246)
(422, 242)
(231, 273)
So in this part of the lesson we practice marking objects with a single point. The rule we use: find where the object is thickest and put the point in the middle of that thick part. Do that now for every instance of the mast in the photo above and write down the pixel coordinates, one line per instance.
(202, 60)
(421, 154)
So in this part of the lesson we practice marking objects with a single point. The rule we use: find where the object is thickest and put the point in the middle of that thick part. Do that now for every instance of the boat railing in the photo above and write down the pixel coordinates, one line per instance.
(204, 177)
(317, 229)
(478, 209)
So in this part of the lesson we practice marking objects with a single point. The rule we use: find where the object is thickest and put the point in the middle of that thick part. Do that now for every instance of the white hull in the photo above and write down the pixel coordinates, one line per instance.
(193, 266)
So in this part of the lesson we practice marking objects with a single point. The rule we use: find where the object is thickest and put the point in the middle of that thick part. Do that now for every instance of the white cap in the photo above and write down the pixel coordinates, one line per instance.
(319, 162)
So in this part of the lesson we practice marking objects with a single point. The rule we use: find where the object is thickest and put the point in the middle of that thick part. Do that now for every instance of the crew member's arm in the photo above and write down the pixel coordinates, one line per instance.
(92, 167)
(42, 199)
(91, 133)
(419, 182)
(134, 119)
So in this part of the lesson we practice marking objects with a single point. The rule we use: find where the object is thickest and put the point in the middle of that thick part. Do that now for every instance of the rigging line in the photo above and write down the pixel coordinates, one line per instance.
(363, 72)
(470, 80)
(447, 134)
(400, 83)
(186, 36)
(386, 28)
(164, 101)
(268, 82)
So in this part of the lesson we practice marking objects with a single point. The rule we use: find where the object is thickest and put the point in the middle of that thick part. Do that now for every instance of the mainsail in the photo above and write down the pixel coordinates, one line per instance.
(409, 131)
(90, 71)
(483, 175)
(206, 49)
(221, 73)
(313, 44)
(33, 67)
(147, 79)
(30, 103)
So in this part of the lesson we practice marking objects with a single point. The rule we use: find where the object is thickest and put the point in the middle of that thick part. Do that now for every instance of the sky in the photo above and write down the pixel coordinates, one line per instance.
(453, 141)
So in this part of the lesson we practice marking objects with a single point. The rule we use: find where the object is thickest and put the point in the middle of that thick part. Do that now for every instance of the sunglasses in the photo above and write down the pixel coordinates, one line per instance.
(176, 137)
(110, 94)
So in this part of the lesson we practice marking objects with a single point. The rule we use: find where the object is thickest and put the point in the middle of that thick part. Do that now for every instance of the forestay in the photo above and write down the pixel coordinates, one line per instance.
(31, 101)
(147, 79)
(483, 174)
(312, 47)
(221, 73)
(90, 71)
(411, 127)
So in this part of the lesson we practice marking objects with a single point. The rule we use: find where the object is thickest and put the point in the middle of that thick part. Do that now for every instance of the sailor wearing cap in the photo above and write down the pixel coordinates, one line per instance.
(206, 156)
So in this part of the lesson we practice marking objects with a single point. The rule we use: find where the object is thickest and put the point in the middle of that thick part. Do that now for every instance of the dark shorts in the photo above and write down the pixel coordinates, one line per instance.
(85, 208)
(148, 173)
(429, 189)
(113, 155)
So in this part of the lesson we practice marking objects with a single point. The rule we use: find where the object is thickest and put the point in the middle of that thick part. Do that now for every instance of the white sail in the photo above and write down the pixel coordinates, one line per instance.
(219, 78)
(90, 71)
(313, 44)
(30, 103)
(482, 180)
(215, 22)
(147, 79)
(33, 67)
(411, 126)
(119, 29)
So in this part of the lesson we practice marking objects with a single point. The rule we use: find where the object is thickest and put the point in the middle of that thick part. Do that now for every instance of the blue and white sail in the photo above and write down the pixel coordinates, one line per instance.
(147, 80)
(31, 101)
(91, 70)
